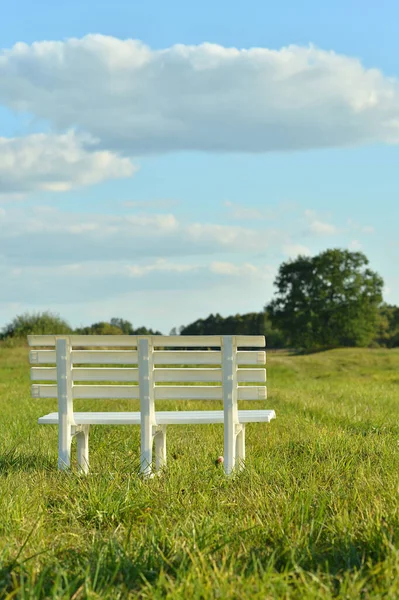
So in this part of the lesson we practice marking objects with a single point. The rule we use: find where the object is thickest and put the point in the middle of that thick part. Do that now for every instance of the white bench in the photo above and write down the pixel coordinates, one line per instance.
(149, 368)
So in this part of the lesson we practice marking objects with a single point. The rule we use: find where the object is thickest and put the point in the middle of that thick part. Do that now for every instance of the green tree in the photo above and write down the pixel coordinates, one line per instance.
(255, 323)
(40, 323)
(388, 326)
(100, 328)
(115, 327)
(328, 300)
(125, 326)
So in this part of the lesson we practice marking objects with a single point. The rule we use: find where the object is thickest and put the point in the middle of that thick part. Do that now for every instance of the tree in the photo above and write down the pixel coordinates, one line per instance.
(328, 300)
(44, 323)
(255, 323)
(115, 327)
(388, 326)
(100, 328)
(125, 326)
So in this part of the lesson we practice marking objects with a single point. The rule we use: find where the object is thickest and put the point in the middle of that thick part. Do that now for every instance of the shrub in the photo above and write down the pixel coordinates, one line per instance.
(34, 323)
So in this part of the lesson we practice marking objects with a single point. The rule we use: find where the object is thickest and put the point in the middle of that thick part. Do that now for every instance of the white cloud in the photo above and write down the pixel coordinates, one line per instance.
(320, 228)
(55, 163)
(74, 238)
(245, 213)
(146, 204)
(355, 245)
(160, 266)
(242, 271)
(294, 250)
(205, 97)
(96, 280)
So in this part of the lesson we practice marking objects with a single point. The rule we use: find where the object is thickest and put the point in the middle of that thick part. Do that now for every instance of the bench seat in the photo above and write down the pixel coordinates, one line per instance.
(184, 417)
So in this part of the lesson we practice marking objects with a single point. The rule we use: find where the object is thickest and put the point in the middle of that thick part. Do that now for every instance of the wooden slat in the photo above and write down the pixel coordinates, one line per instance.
(105, 374)
(207, 375)
(43, 390)
(116, 357)
(206, 357)
(104, 357)
(207, 341)
(251, 375)
(187, 357)
(200, 392)
(161, 392)
(86, 374)
(164, 375)
(183, 417)
(188, 375)
(129, 341)
(43, 374)
(166, 357)
(129, 392)
(86, 341)
(40, 357)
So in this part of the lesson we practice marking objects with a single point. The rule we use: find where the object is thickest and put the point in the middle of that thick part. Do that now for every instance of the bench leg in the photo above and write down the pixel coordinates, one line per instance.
(82, 442)
(229, 448)
(64, 444)
(240, 448)
(146, 448)
(160, 448)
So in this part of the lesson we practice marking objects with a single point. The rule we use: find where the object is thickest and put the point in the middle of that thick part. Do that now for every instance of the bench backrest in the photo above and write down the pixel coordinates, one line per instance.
(138, 367)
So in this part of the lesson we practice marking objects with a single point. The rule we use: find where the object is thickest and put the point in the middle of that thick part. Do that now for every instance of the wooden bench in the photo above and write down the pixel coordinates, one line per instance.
(149, 368)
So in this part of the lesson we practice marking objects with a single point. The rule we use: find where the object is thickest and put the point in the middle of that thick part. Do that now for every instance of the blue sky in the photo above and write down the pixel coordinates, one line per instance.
(163, 179)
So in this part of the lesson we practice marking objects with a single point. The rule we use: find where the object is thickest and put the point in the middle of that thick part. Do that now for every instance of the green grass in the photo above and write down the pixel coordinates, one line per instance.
(314, 515)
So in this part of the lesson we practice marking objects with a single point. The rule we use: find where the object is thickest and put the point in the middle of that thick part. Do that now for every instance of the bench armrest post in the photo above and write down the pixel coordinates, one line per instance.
(147, 409)
(65, 401)
(230, 394)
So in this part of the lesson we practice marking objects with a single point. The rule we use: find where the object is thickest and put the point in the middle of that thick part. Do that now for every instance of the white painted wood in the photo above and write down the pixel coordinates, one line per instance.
(240, 446)
(146, 386)
(188, 374)
(147, 372)
(160, 447)
(82, 357)
(105, 374)
(167, 357)
(132, 392)
(198, 341)
(206, 357)
(209, 392)
(82, 446)
(158, 341)
(85, 341)
(183, 417)
(43, 373)
(172, 375)
(109, 392)
(230, 397)
(65, 402)
(201, 375)
(104, 357)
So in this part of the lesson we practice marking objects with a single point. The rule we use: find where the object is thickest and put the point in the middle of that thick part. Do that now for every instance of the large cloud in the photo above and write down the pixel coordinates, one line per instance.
(41, 236)
(85, 282)
(203, 97)
(55, 162)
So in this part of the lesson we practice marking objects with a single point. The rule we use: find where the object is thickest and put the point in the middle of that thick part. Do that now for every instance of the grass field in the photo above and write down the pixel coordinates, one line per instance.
(314, 515)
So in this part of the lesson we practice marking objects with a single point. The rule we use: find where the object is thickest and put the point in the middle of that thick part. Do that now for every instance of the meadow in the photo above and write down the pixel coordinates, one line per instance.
(314, 515)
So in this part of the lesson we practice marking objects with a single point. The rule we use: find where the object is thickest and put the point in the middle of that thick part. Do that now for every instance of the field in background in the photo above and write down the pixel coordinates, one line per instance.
(315, 514)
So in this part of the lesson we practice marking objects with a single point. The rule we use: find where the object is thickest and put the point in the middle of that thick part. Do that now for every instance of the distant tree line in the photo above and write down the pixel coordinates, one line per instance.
(326, 301)
(48, 323)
